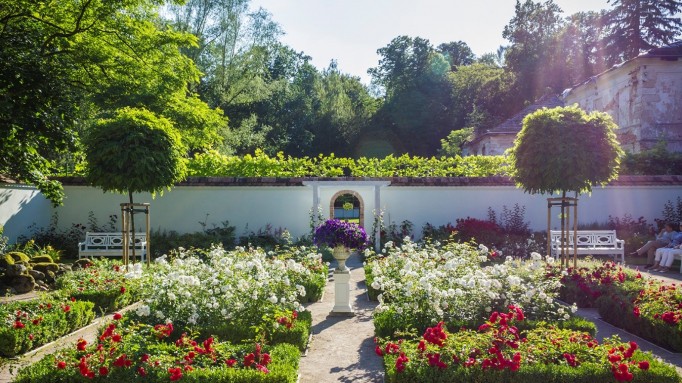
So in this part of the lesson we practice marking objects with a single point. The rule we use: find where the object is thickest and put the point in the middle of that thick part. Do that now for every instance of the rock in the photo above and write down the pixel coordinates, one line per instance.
(18, 256)
(23, 284)
(50, 276)
(42, 259)
(37, 275)
(15, 270)
(6, 260)
(81, 263)
(65, 267)
(45, 267)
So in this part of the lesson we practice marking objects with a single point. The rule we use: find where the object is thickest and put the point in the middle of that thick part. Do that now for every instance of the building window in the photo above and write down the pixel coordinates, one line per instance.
(347, 205)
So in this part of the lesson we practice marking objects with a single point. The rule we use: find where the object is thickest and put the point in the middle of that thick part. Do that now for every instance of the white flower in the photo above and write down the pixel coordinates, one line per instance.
(272, 299)
(143, 311)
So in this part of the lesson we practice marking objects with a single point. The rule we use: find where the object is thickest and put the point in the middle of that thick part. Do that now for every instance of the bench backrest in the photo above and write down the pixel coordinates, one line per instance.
(592, 238)
(111, 240)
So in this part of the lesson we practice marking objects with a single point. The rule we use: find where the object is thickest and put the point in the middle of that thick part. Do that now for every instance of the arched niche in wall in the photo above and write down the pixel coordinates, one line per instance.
(347, 205)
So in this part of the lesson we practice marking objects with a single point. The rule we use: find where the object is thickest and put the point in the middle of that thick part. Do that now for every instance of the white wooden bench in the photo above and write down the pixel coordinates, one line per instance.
(110, 245)
(589, 242)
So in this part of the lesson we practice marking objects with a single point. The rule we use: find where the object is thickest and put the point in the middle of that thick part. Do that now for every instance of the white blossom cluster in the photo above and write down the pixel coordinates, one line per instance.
(450, 282)
(221, 286)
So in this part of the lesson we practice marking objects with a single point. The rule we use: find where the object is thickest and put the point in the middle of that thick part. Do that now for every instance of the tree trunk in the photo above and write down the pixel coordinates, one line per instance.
(132, 222)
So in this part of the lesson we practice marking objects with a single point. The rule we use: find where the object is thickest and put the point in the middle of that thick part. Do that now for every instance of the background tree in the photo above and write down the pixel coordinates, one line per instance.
(457, 53)
(639, 25)
(532, 33)
(65, 63)
(451, 146)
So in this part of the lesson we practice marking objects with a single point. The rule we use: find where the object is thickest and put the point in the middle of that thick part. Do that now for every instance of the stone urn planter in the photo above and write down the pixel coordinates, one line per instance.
(341, 254)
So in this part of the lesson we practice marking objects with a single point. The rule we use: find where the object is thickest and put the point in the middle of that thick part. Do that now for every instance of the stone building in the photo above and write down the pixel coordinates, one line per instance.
(643, 95)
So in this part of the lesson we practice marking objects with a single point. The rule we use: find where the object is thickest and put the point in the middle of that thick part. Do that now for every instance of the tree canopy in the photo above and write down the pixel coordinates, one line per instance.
(565, 149)
(135, 151)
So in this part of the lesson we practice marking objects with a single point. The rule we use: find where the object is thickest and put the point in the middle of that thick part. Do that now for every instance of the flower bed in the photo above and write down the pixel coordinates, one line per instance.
(139, 352)
(244, 296)
(30, 324)
(585, 284)
(497, 352)
(102, 282)
(460, 285)
(646, 308)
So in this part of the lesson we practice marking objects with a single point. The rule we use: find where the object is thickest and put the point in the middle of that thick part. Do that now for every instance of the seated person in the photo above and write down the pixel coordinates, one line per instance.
(666, 255)
(662, 239)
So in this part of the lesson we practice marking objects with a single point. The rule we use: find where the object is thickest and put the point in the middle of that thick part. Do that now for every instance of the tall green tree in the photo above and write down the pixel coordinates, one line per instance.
(457, 53)
(417, 100)
(532, 33)
(67, 62)
(639, 25)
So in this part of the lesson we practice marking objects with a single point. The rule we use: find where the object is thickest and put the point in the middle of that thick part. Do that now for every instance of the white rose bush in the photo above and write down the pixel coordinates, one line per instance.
(458, 283)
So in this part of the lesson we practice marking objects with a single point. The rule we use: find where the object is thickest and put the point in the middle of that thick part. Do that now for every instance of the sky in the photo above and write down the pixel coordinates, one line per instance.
(351, 31)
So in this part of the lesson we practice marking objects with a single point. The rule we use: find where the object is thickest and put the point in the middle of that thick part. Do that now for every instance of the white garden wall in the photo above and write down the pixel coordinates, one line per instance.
(288, 204)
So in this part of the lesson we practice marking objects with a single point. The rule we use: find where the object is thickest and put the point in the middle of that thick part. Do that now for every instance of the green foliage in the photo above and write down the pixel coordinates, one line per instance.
(653, 161)
(640, 25)
(672, 212)
(166, 240)
(564, 149)
(136, 151)
(214, 164)
(37, 322)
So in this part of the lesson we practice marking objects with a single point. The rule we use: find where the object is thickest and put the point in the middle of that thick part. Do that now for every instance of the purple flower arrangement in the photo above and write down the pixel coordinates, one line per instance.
(334, 232)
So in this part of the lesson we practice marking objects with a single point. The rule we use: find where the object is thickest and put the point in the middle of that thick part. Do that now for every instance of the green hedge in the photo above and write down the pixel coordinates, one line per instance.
(235, 332)
(314, 286)
(282, 369)
(214, 164)
(42, 321)
(617, 309)
(388, 324)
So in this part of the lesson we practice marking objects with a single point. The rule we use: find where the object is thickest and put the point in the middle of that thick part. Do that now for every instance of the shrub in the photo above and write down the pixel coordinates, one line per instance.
(29, 324)
(164, 241)
(480, 231)
(131, 352)
(266, 237)
(103, 283)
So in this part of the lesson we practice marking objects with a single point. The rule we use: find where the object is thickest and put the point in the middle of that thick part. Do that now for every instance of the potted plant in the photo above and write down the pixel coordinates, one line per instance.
(342, 237)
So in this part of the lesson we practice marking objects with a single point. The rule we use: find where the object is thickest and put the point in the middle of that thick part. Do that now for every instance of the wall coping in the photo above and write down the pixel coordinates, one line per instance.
(625, 180)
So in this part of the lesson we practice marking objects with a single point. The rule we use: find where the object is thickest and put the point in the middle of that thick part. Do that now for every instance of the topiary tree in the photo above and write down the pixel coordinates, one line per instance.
(564, 149)
(133, 152)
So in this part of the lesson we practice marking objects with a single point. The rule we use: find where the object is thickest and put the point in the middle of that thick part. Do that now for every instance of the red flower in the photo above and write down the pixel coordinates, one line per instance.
(73, 299)
(141, 371)
(18, 325)
(636, 311)
(400, 362)
(80, 346)
(116, 338)
(175, 373)
(61, 365)
(123, 290)
(117, 316)
(66, 308)
(103, 371)
(144, 358)
(231, 362)
(643, 365)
